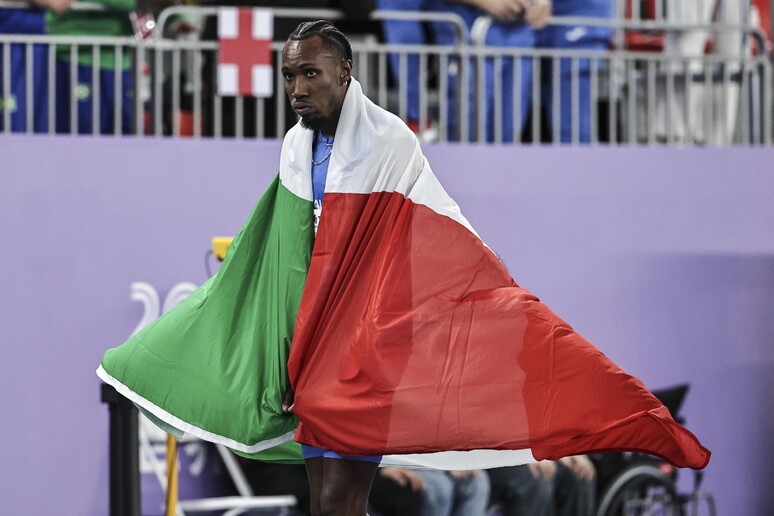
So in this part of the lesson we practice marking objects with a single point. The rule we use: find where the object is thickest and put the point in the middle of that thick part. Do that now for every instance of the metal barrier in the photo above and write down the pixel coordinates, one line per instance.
(466, 91)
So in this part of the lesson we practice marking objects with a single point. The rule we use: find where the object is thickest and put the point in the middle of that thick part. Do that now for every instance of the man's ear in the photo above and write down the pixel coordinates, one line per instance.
(345, 71)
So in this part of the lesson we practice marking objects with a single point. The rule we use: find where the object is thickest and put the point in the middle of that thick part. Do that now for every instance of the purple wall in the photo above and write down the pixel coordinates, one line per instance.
(663, 258)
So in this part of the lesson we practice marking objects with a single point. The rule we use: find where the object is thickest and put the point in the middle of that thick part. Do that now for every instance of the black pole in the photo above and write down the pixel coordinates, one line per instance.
(124, 454)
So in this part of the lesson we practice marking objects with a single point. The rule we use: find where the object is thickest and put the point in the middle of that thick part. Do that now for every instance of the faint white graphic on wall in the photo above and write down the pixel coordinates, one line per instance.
(152, 438)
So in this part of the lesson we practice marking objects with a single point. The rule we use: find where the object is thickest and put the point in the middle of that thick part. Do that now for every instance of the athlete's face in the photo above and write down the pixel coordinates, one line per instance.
(316, 82)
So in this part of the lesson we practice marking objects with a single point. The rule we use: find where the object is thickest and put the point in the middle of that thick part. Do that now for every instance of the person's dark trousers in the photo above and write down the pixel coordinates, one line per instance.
(518, 493)
(390, 499)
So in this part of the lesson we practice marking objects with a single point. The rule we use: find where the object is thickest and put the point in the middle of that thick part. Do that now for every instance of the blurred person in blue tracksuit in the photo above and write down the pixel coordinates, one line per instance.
(415, 32)
(532, 32)
(27, 19)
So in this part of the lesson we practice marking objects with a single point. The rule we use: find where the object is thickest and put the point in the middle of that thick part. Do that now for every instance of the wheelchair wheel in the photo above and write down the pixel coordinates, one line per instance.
(640, 490)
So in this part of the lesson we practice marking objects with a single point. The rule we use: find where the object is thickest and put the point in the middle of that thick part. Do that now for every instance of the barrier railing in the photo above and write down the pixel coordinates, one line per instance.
(463, 91)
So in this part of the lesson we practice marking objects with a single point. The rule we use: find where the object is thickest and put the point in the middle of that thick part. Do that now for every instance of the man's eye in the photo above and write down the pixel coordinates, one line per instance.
(288, 76)
(311, 73)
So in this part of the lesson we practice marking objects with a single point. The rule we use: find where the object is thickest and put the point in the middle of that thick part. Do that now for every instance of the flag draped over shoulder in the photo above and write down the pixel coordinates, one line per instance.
(215, 365)
(411, 340)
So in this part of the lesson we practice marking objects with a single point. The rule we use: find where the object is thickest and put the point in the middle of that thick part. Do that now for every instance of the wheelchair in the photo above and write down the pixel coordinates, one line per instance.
(632, 484)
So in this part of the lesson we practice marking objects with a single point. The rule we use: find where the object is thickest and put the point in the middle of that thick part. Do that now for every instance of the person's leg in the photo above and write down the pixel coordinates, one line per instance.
(438, 495)
(389, 498)
(40, 88)
(345, 486)
(471, 495)
(108, 99)
(408, 33)
(521, 494)
(14, 100)
(314, 472)
(63, 92)
(575, 95)
(509, 36)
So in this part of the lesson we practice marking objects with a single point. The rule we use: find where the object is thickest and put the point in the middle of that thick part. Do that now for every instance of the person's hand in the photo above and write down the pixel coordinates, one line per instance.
(58, 6)
(580, 466)
(504, 10)
(464, 473)
(403, 477)
(544, 469)
(288, 402)
(537, 13)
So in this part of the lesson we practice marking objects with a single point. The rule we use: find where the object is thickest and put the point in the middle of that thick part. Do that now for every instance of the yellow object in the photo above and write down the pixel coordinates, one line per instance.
(220, 246)
(171, 475)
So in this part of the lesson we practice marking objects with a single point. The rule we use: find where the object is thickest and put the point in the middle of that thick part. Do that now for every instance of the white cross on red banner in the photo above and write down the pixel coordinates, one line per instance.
(244, 59)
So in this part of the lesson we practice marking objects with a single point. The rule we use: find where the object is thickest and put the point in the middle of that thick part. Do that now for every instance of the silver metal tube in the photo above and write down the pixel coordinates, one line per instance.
(118, 98)
(443, 111)
(723, 118)
(260, 116)
(480, 97)
(595, 65)
(423, 86)
(6, 87)
(535, 104)
(575, 100)
(669, 117)
(708, 114)
(746, 118)
(363, 71)
(158, 92)
(631, 111)
(175, 111)
(28, 82)
(239, 116)
(74, 89)
(197, 95)
(402, 86)
(754, 116)
(612, 121)
(462, 101)
(498, 102)
(51, 67)
(139, 64)
(556, 94)
(650, 103)
(95, 90)
(767, 103)
(516, 99)
(382, 78)
(217, 115)
(281, 103)
(687, 117)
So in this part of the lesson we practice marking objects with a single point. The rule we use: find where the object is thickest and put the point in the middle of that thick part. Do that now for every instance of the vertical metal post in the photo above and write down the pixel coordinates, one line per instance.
(124, 454)
(51, 67)
(96, 93)
(443, 97)
(28, 81)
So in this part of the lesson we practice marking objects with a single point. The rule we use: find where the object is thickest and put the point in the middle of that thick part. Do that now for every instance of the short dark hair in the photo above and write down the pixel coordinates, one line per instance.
(332, 38)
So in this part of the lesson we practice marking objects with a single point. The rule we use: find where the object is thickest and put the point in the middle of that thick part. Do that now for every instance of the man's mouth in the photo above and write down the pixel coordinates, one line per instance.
(302, 109)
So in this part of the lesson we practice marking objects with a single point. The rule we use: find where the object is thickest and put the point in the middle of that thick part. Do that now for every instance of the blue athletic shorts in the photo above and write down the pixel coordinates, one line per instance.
(311, 452)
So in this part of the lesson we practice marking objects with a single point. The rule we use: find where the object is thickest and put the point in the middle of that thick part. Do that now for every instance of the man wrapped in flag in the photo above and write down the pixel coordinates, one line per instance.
(411, 343)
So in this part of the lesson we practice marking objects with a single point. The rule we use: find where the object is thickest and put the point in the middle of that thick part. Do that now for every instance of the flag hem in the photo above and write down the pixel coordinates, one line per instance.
(188, 427)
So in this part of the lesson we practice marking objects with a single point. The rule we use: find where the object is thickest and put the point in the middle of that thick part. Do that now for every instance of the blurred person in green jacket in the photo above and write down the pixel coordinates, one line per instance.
(96, 101)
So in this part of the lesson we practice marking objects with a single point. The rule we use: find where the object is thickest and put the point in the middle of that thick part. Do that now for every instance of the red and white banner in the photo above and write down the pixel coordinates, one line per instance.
(244, 62)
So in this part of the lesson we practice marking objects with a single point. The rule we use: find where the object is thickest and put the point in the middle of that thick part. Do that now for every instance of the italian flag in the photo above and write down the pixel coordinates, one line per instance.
(400, 331)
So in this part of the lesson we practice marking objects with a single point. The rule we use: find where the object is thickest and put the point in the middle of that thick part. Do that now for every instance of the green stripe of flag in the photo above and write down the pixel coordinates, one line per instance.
(218, 361)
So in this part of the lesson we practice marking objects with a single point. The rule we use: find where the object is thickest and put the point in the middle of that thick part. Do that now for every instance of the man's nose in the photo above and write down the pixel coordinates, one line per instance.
(299, 88)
